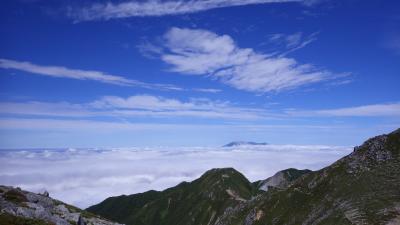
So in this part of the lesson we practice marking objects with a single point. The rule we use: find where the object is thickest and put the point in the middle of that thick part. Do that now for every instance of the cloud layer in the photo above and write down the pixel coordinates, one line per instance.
(106, 11)
(201, 52)
(85, 177)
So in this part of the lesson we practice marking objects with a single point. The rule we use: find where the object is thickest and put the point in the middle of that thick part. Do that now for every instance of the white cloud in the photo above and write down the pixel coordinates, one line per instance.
(147, 102)
(376, 110)
(207, 90)
(89, 176)
(294, 39)
(44, 109)
(80, 125)
(149, 106)
(134, 106)
(63, 72)
(201, 52)
(366, 110)
(294, 42)
(106, 11)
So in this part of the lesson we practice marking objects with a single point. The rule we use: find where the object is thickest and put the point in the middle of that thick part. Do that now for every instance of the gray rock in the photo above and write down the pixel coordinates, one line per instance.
(41, 206)
(81, 221)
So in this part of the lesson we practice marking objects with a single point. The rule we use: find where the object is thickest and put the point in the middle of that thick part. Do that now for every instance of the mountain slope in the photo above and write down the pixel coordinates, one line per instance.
(115, 208)
(361, 188)
(198, 202)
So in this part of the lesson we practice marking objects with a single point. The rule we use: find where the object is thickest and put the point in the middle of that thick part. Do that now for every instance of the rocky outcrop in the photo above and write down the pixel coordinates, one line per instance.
(281, 179)
(19, 205)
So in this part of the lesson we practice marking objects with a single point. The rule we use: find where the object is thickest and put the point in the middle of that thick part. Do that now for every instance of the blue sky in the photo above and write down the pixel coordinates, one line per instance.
(198, 73)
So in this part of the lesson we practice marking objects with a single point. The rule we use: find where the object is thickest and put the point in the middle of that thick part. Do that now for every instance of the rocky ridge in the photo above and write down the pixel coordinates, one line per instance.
(22, 207)
(282, 179)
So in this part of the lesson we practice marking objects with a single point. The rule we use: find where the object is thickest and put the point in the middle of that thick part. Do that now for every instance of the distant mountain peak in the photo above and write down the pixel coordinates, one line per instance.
(243, 143)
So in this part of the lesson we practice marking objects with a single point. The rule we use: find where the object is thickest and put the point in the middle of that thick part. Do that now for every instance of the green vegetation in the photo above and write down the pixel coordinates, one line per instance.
(197, 202)
(115, 208)
(15, 196)
(7, 219)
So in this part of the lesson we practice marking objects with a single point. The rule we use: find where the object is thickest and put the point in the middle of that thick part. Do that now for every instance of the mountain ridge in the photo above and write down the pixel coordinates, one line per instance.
(350, 191)
(347, 192)
(226, 186)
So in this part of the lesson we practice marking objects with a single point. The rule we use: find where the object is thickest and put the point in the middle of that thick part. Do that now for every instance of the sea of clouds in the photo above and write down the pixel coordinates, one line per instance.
(84, 177)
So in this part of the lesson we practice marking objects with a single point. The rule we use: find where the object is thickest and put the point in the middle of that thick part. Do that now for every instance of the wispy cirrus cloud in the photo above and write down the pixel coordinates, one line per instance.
(148, 106)
(156, 106)
(135, 106)
(376, 110)
(79, 125)
(202, 52)
(292, 42)
(64, 72)
(107, 11)
(208, 90)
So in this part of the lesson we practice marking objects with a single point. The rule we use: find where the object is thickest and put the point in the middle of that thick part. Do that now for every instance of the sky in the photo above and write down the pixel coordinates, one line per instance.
(197, 73)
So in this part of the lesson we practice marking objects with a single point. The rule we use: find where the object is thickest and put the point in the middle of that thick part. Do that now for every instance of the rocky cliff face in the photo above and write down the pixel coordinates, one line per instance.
(18, 207)
(282, 179)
